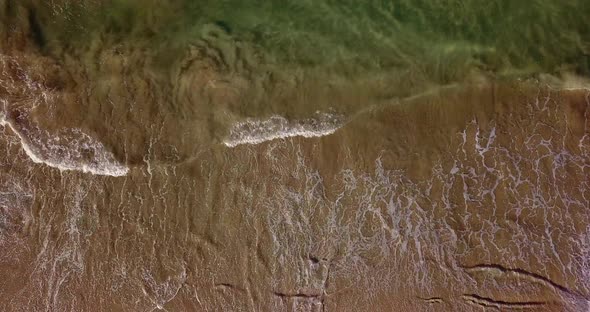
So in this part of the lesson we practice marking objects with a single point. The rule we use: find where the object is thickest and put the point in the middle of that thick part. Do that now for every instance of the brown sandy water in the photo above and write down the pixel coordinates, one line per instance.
(219, 178)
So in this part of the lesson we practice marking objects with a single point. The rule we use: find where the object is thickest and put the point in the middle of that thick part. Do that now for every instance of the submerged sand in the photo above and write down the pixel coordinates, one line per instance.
(248, 185)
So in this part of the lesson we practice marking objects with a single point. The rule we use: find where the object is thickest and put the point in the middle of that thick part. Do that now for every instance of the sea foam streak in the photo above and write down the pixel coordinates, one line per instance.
(74, 150)
(253, 131)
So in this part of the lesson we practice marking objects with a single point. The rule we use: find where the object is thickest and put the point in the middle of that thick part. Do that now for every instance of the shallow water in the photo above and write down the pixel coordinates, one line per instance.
(294, 156)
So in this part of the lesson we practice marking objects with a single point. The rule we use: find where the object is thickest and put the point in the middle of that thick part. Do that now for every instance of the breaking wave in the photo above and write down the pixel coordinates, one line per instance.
(254, 131)
(71, 150)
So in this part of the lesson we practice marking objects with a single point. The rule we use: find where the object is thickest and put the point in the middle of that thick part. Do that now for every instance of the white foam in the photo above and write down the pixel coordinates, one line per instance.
(254, 131)
(66, 152)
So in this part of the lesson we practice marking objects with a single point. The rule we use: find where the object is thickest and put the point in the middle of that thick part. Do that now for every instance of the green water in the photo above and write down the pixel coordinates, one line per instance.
(294, 155)
(441, 39)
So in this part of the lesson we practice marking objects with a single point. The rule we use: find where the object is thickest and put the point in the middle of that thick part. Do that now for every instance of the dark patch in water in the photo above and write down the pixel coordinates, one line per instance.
(36, 30)
(223, 25)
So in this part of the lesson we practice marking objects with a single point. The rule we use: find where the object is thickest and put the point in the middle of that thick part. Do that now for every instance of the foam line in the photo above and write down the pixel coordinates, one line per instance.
(254, 131)
(60, 157)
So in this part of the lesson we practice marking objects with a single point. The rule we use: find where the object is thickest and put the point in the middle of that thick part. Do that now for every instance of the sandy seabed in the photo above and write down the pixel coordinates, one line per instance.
(120, 191)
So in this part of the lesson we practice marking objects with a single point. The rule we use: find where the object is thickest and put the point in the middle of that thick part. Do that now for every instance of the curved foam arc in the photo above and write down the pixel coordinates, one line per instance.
(102, 164)
(277, 127)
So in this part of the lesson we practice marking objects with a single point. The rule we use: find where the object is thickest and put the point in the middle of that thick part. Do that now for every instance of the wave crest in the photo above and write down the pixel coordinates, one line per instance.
(71, 150)
(252, 131)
